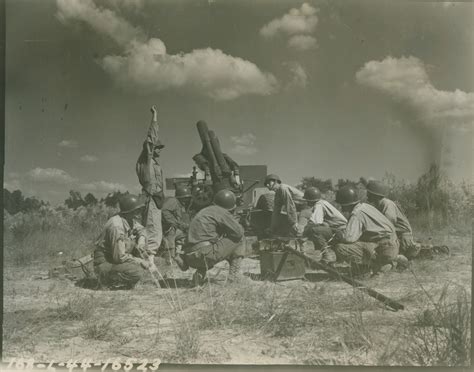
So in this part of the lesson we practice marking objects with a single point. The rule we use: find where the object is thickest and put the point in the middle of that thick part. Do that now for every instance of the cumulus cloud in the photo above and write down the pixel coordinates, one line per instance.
(299, 77)
(296, 21)
(406, 80)
(101, 20)
(50, 175)
(70, 144)
(303, 42)
(244, 144)
(103, 187)
(89, 158)
(146, 66)
(12, 185)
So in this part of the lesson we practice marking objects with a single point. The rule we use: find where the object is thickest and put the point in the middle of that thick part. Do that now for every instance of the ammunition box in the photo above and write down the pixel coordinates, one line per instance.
(278, 266)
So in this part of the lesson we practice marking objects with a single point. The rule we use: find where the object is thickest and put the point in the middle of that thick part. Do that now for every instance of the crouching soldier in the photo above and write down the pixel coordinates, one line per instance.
(369, 241)
(377, 196)
(115, 264)
(215, 235)
(175, 221)
(284, 220)
(319, 222)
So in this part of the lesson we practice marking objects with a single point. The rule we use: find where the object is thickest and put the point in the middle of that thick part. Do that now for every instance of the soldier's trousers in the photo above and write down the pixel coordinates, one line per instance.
(318, 234)
(153, 226)
(368, 253)
(168, 245)
(125, 275)
(408, 247)
(204, 258)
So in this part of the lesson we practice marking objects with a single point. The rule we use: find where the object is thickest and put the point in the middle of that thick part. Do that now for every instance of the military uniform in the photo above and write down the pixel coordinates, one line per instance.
(285, 216)
(114, 262)
(214, 235)
(403, 228)
(368, 239)
(175, 222)
(150, 176)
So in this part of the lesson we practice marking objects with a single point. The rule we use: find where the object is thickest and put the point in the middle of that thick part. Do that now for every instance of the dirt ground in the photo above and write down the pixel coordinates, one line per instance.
(318, 320)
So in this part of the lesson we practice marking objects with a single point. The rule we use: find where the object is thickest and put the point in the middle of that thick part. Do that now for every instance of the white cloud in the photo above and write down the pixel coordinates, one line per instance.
(299, 77)
(406, 80)
(145, 65)
(148, 68)
(70, 144)
(302, 42)
(89, 158)
(50, 175)
(127, 5)
(12, 185)
(296, 21)
(244, 144)
(103, 187)
(104, 21)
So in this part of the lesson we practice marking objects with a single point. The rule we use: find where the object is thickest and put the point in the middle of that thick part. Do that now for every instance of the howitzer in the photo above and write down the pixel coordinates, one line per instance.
(356, 284)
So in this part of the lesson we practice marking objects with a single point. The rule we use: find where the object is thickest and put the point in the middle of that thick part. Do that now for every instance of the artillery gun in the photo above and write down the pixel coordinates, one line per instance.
(220, 172)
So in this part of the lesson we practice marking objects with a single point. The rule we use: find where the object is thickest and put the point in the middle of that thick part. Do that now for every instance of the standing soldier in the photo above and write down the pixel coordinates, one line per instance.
(115, 264)
(150, 176)
(176, 219)
(284, 216)
(319, 222)
(215, 235)
(377, 196)
(369, 240)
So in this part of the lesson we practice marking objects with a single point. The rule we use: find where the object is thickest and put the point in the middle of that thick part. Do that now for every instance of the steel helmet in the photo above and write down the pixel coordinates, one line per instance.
(377, 188)
(225, 199)
(182, 191)
(312, 194)
(347, 195)
(272, 177)
(130, 203)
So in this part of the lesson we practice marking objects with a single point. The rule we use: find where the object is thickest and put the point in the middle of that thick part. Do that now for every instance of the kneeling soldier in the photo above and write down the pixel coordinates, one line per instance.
(319, 222)
(377, 196)
(175, 221)
(215, 235)
(369, 240)
(115, 265)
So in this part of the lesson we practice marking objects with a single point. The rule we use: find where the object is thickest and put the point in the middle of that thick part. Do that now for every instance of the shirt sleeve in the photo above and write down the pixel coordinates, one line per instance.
(390, 211)
(318, 214)
(116, 239)
(153, 138)
(353, 231)
(231, 228)
(290, 207)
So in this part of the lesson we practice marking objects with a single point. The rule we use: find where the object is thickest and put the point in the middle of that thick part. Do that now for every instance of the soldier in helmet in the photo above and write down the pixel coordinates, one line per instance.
(377, 196)
(284, 216)
(150, 176)
(175, 220)
(319, 221)
(115, 258)
(369, 241)
(215, 235)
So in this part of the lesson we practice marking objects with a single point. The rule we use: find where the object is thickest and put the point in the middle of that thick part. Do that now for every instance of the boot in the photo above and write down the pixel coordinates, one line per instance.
(401, 262)
(181, 262)
(199, 277)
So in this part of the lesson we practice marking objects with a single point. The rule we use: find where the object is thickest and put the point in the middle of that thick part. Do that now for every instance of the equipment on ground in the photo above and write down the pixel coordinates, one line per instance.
(355, 283)
(278, 264)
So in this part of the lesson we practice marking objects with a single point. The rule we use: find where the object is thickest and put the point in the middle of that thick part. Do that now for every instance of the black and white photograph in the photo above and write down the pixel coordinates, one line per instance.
(237, 182)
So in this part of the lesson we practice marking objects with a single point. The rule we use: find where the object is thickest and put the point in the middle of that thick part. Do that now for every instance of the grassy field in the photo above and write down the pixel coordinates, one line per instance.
(323, 322)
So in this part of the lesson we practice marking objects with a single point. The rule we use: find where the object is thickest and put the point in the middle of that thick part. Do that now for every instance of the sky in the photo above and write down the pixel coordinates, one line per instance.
(331, 89)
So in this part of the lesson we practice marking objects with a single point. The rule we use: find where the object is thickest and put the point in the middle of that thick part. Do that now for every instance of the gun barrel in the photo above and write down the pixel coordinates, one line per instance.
(207, 147)
(355, 283)
(216, 146)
